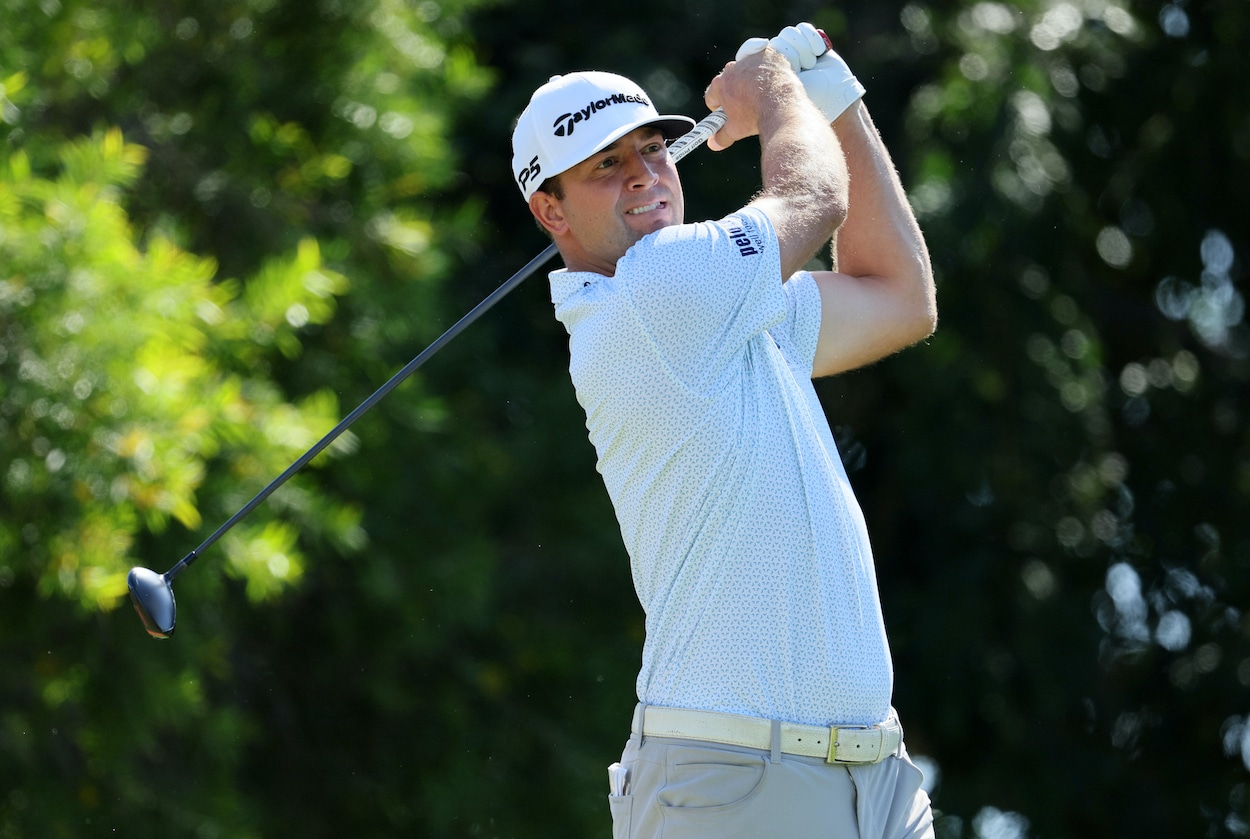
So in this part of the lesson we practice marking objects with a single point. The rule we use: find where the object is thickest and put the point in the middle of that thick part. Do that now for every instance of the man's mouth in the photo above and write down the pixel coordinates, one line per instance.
(645, 209)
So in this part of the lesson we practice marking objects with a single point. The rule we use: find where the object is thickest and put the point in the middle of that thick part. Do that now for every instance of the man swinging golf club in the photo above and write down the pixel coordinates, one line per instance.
(765, 689)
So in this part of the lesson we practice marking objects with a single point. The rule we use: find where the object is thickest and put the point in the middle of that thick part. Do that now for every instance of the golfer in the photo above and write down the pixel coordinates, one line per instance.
(765, 689)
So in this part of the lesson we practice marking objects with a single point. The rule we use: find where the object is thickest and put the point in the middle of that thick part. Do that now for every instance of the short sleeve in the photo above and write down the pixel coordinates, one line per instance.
(702, 291)
(800, 331)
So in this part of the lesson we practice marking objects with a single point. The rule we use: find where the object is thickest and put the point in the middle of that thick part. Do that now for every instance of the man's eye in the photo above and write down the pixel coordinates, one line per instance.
(606, 163)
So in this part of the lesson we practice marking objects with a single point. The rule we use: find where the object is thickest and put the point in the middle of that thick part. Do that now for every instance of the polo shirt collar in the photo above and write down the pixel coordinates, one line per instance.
(565, 283)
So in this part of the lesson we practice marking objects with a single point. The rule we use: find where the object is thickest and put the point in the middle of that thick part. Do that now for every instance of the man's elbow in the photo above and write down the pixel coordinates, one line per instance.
(837, 217)
(835, 203)
(930, 315)
(823, 205)
(922, 312)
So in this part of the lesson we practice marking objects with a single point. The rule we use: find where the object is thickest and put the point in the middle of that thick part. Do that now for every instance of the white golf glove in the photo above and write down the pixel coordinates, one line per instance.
(829, 82)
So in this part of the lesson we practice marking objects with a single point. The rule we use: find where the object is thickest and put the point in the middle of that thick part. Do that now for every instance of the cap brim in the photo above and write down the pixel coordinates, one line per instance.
(671, 126)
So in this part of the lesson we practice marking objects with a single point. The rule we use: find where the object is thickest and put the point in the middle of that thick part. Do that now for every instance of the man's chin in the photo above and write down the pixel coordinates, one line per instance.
(653, 221)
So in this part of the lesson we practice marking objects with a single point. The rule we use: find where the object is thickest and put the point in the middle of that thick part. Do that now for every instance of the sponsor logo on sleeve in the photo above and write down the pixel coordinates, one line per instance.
(747, 245)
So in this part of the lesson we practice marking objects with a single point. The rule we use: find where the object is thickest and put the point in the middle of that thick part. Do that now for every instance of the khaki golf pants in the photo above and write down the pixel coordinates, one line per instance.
(684, 789)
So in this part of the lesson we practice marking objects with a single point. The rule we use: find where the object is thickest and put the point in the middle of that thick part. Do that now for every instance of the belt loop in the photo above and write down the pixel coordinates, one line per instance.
(640, 715)
(775, 757)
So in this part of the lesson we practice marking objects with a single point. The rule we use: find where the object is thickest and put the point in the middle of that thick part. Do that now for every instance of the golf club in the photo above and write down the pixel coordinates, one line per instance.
(153, 594)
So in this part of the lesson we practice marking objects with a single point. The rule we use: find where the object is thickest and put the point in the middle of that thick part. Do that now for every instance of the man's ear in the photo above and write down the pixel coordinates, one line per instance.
(549, 212)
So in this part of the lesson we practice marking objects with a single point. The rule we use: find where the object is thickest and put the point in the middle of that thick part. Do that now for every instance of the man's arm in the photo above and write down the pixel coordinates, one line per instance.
(801, 161)
(879, 298)
(882, 298)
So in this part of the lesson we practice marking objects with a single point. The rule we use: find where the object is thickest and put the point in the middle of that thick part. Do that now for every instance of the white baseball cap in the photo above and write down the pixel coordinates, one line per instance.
(573, 116)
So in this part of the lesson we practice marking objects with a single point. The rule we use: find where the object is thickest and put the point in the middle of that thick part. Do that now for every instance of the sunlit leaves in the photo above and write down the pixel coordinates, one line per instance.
(305, 169)
(406, 235)
(161, 287)
(998, 74)
(266, 557)
(289, 293)
(10, 90)
(114, 407)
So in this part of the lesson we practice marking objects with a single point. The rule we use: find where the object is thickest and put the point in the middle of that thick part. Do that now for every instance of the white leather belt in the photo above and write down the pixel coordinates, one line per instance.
(835, 743)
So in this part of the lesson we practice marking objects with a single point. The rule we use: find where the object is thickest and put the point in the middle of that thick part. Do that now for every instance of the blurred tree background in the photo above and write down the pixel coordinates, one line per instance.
(223, 225)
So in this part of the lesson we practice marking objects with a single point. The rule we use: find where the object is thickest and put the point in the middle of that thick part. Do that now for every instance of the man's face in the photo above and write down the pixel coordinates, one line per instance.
(611, 200)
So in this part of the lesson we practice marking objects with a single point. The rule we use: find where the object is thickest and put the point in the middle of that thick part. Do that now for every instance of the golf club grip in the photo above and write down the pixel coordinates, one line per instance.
(698, 135)
(679, 148)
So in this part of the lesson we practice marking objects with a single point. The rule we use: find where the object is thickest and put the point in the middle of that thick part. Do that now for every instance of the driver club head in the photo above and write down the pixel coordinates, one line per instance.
(153, 598)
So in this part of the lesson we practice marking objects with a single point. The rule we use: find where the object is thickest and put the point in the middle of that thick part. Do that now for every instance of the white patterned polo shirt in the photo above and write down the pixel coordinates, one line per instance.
(748, 549)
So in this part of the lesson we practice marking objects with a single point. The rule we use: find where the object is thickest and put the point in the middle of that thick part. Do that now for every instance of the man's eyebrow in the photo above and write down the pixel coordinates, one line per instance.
(606, 150)
(650, 132)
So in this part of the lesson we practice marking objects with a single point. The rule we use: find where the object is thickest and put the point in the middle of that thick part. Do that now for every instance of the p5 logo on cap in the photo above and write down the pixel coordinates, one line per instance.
(528, 173)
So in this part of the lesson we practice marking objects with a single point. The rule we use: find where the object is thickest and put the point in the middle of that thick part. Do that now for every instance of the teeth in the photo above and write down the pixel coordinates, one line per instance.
(645, 209)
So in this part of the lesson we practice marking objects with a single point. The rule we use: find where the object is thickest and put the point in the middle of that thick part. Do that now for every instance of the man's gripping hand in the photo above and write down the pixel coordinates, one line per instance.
(747, 89)
(829, 82)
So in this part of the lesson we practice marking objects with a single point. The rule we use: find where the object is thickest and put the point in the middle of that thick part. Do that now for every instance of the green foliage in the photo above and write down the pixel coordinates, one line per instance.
(141, 388)
(1098, 557)
(113, 404)
(115, 417)
(223, 225)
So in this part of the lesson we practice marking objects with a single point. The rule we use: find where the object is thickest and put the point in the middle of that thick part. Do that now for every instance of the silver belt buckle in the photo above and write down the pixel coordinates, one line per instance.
(856, 743)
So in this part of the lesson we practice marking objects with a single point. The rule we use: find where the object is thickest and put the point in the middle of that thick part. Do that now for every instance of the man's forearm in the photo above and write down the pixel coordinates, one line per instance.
(802, 166)
(805, 177)
(798, 154)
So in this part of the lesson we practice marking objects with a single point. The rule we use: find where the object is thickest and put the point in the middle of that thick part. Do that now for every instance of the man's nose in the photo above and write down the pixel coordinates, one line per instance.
(641, 173)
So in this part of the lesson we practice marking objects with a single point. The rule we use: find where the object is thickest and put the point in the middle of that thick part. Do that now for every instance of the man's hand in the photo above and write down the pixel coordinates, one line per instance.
(800, 44)
(748, 91)
(829, 82)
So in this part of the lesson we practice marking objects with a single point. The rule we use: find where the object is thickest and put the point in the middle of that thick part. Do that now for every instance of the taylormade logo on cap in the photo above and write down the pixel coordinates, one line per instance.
(572, 117)
(565, 123)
